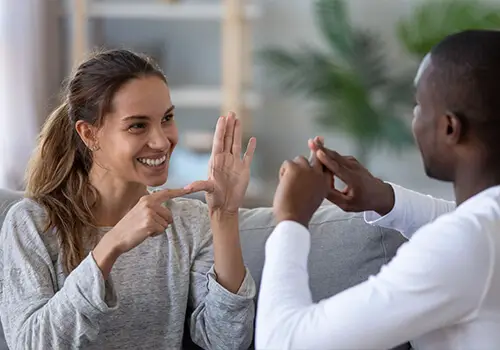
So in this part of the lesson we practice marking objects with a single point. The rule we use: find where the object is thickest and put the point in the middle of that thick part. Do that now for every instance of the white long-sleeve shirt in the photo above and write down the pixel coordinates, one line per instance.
(441, 290)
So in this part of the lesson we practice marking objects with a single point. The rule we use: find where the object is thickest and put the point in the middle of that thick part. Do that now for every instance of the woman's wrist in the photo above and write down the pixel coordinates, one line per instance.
(223, 216)
(105, 254)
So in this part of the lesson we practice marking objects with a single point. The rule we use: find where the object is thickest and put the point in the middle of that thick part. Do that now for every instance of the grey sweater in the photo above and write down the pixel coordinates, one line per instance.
(152, 290)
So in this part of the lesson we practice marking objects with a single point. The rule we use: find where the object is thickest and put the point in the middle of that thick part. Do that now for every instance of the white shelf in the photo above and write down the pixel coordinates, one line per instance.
(207, 97)
(159, 10)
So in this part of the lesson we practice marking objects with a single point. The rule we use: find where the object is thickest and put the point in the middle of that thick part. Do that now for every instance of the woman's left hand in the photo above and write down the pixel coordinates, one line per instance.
(228, 173)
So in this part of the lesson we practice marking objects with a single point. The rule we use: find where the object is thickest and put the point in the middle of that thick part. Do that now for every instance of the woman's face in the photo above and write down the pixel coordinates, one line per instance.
(138, 136)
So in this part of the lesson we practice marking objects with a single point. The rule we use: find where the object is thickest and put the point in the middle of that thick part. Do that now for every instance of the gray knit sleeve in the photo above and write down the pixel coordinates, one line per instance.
(34, 314)
(220, 319)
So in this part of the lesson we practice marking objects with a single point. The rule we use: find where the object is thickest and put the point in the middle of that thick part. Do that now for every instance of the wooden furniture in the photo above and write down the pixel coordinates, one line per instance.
(236, 18)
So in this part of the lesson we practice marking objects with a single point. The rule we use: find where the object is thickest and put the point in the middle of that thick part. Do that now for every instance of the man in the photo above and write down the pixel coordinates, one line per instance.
(442, 290)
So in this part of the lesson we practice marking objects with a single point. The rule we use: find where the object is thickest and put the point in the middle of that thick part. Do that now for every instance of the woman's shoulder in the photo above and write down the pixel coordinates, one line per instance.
(25, 223)
(24, 211)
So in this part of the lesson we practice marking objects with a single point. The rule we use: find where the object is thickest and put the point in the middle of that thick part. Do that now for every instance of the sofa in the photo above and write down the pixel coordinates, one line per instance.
(344, 249)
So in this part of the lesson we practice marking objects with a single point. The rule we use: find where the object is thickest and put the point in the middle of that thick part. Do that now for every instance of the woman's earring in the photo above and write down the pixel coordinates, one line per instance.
(94, 148)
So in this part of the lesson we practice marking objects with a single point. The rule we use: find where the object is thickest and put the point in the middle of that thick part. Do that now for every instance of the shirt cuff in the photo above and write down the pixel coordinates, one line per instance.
(88, 291)
(247, 290)
(373, 218)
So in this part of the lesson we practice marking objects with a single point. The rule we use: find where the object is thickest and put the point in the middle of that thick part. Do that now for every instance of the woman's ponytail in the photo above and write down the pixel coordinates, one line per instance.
(57, 178)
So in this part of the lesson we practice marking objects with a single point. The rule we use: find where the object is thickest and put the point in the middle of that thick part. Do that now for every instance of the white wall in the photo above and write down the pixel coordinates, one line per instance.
(192, 55)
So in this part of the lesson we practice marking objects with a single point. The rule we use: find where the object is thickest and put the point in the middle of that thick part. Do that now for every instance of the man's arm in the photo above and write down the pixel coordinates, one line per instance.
(411, 211)
(422, 289)
(384, 204)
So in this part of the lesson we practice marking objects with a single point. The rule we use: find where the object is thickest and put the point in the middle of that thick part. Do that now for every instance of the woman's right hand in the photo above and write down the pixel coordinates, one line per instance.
(147, 218)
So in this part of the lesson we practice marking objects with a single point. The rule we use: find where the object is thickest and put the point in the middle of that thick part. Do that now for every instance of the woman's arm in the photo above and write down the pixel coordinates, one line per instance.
(222, 292)
(34, 314)
(227, 320)
(228, 257)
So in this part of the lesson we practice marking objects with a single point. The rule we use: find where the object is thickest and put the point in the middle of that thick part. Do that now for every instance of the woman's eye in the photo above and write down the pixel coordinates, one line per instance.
(167, 118)
(137, 126)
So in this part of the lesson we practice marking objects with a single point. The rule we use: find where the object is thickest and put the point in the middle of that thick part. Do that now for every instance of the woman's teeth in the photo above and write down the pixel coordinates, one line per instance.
(153, 162)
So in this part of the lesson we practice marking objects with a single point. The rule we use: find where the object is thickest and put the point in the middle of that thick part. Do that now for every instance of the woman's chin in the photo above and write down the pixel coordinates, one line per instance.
(156, 181)
(154, 176)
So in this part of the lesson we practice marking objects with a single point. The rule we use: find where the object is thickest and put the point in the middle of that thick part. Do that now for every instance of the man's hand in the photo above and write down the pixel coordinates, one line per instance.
(363, 192)
(302, 188)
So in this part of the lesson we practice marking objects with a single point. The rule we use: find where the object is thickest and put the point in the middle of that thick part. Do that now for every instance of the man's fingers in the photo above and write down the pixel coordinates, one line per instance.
(341, 160)
(338, 198)
(314, 146)
(229, 132)
(202, 185)
(315, 162)
(320, 140)
(301, 161)
(317, 143)
(313, 149)
(332, 165)
(247, 158)
(218, 143)
(286, 167)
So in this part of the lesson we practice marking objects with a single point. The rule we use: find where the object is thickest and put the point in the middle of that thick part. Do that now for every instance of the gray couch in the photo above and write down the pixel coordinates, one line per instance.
(344, 250)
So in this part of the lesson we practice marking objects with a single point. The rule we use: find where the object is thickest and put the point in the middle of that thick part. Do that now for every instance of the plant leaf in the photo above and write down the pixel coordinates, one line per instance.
(433, 20)
(335, 25)
(349, 81)
(368, 60)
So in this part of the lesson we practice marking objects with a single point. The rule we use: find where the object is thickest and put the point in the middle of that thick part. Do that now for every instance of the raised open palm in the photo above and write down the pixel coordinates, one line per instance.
(228, 172)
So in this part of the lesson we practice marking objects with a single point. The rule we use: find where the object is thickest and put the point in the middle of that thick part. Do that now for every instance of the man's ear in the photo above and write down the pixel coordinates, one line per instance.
(87, 133)
(455, 127)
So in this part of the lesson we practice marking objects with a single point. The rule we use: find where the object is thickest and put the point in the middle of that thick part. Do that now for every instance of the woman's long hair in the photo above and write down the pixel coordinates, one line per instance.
(58, 173)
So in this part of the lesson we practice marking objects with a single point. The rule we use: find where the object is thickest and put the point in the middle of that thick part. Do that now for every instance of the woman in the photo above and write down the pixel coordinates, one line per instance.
(91, 259)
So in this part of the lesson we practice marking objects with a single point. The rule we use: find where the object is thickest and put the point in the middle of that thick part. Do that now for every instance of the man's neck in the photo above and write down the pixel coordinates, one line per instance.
(472, 179)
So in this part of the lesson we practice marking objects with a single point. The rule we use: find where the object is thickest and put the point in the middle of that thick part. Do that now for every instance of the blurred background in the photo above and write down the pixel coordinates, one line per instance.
(290, 69)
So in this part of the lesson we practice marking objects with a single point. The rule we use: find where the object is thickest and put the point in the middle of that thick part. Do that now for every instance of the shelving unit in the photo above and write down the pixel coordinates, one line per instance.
(235, 16)
(162, 10)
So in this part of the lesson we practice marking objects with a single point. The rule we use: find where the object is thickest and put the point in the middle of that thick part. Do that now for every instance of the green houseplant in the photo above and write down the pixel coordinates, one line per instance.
(432, 20)
(349, 80)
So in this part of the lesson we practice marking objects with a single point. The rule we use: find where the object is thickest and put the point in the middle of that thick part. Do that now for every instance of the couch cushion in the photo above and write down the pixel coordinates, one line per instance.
(7, 199)
(344, 249)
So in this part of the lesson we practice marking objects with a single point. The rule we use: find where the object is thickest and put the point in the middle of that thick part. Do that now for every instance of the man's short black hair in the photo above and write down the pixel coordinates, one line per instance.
(466, 78)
